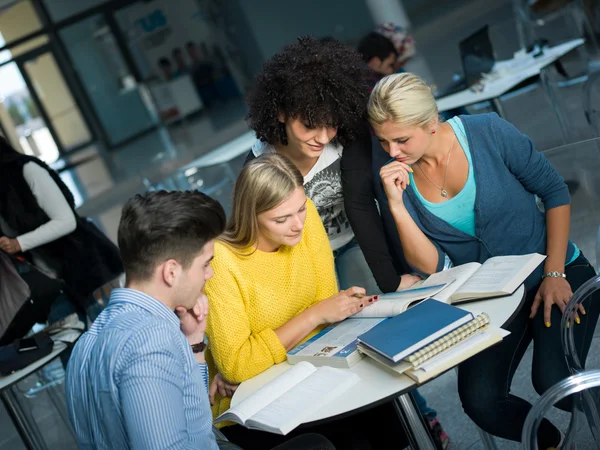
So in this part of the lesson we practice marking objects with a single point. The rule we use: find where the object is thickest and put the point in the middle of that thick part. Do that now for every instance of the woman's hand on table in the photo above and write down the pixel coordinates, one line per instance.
(341, 306)
(224, 388)
(395, 179)
(553, 291)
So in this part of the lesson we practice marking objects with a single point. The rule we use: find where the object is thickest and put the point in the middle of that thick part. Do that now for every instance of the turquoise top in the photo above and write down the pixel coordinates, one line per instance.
(459, 211)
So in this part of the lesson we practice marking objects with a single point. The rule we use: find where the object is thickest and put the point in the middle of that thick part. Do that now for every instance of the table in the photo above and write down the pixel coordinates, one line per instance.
(505, 75)
(29, 435)
(378, 386)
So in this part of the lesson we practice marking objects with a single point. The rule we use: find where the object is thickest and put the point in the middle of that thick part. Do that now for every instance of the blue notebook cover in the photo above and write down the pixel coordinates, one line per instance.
(400, 336)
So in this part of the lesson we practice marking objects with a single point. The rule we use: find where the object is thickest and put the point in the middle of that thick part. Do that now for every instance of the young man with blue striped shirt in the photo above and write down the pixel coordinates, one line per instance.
(137, 378)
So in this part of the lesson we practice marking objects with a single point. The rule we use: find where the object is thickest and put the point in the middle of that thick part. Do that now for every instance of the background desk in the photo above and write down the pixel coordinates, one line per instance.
(509, 74)
(378, 385)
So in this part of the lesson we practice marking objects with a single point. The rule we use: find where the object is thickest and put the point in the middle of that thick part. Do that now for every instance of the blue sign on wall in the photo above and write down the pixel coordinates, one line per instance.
(156, 19)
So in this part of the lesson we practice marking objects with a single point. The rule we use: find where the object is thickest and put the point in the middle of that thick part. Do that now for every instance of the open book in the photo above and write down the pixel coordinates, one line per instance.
(394, 303)
(497, 277)
(285, 402)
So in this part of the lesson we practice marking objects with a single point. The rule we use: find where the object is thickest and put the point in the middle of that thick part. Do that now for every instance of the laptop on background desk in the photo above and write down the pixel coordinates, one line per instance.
(477, 57)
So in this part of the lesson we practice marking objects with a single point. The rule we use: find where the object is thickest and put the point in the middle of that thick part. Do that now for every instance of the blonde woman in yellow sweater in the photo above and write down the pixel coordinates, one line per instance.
(274, 286)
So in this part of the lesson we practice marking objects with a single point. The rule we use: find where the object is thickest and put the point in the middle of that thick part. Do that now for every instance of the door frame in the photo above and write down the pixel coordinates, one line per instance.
(20, 61)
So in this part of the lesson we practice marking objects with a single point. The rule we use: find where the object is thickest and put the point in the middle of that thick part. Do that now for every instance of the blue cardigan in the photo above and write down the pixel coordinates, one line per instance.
(508, 172)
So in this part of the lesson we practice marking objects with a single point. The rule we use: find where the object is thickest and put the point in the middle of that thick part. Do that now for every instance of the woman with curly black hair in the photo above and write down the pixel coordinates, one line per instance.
(309, 104)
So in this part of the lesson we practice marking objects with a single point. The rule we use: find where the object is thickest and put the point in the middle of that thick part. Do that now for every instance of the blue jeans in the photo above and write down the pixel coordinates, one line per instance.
(484, 380)
(352, 270)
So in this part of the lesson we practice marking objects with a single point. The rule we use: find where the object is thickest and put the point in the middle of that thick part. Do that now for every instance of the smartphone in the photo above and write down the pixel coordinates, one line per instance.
(27, 344)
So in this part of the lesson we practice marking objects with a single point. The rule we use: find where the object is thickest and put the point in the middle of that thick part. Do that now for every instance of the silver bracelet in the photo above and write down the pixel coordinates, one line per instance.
(554, 275)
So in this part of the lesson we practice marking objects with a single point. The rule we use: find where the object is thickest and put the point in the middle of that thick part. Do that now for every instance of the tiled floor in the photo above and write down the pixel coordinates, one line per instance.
(105, 183)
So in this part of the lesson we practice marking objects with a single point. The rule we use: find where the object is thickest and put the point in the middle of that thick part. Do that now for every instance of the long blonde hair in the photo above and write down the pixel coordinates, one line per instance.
(404, 99)
(262, 184)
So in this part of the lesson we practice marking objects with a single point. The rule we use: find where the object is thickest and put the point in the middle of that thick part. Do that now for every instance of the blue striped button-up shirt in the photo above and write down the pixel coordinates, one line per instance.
(133, 382)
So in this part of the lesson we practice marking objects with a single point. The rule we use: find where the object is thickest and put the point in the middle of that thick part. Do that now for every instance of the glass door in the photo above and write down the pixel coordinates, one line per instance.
(21, 118)
(55, 97)
(123, 106)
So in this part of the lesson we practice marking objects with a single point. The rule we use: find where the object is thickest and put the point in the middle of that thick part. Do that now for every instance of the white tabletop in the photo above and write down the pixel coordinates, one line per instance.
(507, 74)
(378, 384)
(17, 376)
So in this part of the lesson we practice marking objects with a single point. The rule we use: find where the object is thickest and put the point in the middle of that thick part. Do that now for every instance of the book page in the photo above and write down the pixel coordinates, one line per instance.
(269, 392)
(382, 308)
(290, 409)
(497, 274)
(456, 276)
(393, 303)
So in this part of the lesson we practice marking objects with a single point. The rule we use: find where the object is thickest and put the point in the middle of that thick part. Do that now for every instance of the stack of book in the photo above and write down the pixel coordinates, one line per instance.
(428, 339)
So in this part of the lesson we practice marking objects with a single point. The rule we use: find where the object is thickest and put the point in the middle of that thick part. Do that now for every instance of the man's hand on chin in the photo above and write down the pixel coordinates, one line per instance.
(193, 321)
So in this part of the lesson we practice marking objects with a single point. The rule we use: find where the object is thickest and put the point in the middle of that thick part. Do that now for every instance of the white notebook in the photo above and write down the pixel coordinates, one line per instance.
(285, 402)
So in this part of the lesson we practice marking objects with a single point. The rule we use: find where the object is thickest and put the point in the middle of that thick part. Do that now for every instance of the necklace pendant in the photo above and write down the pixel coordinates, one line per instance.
(444, 193)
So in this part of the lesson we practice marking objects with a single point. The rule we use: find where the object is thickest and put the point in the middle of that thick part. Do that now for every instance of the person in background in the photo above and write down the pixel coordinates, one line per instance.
(402, 41)
(181, 66)
(274, 287)
(38, 221)
(147, 346)
(203, 73)
(445, 195)
(166, 68)
(379, 54)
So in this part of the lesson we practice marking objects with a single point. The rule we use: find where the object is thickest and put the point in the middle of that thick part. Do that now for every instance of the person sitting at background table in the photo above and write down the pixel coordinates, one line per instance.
(275, 286)
(466, 189)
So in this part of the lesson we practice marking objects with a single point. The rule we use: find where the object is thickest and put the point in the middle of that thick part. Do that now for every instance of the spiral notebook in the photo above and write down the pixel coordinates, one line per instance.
(446, 352)
(448, 341)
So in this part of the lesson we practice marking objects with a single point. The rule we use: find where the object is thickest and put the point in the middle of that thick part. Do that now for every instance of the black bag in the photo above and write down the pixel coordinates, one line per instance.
(43, 291)
(22, 352)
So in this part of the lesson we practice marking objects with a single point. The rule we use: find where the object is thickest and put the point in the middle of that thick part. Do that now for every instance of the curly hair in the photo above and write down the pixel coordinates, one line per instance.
(319, 81)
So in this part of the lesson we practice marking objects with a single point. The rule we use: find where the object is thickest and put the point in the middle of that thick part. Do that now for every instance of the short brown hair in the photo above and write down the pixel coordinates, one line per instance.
(162, 225)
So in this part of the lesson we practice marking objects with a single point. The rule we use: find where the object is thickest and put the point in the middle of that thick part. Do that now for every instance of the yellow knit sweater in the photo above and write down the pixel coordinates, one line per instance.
(251, 296)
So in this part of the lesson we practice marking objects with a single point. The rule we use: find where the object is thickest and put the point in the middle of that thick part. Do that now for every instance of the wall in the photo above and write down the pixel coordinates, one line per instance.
(62, 9)
(275, 23)
(242, 35)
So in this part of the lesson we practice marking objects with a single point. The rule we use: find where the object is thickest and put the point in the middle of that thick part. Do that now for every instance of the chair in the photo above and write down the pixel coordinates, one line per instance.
(591, 90)
(584, 401)
(530, 22)
(575, 384)
(598, 250)
(575, 71)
